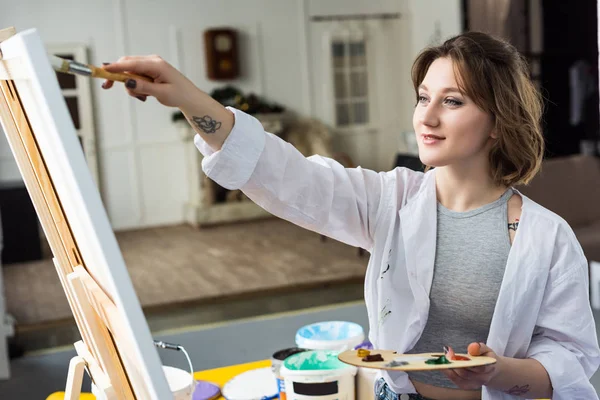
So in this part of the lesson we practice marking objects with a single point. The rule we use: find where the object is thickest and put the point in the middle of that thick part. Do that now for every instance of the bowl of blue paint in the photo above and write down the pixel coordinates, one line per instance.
(330, 335)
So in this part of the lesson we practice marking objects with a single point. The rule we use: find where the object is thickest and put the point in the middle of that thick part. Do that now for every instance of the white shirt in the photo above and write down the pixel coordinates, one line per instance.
(543, 309)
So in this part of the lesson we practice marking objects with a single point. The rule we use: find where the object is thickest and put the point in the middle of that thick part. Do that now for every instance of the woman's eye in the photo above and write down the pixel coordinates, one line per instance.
(454, 102)
(422, 99)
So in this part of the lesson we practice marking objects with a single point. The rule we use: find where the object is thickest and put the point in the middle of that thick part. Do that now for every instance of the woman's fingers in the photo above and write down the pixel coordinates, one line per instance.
(455, 377)
(141, 97)
(151, 66)
(461, 379)
(107, 84)
(168, 85)
(481, 370)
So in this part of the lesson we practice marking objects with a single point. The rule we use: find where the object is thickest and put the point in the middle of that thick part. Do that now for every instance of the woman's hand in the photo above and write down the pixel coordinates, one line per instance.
(170, 87)
(476, 377)
(209, 118)
(515, 376)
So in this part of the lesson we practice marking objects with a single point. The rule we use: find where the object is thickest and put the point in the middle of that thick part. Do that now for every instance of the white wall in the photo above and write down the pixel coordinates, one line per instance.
(432, 20)
(141, 158)
(142, 161)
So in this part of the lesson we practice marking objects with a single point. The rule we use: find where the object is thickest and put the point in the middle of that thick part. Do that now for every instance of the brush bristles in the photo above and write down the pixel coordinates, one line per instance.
(64, 66)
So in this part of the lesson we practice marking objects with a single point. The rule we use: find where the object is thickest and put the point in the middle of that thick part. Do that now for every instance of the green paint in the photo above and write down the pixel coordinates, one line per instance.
(315, 360)
(437, 361)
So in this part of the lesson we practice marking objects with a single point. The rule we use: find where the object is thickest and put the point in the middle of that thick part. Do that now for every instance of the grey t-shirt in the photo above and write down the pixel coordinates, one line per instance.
(471, 254)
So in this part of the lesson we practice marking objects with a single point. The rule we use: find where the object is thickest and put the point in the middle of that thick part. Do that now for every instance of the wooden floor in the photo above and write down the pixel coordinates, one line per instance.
(177, 266)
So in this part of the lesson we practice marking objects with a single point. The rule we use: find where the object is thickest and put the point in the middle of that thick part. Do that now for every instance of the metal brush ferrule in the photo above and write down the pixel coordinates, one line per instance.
(79, 68)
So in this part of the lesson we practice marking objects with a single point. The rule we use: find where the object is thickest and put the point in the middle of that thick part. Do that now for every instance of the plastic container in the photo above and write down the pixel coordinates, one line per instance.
(181, 383)
(277, 360)
(365, 383)
(330, 335)
(279, 357)
(365, 377)
(318, 375)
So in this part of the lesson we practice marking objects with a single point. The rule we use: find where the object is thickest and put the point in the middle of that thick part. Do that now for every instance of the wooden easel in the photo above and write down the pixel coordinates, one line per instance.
(92, 303)
(96, 315)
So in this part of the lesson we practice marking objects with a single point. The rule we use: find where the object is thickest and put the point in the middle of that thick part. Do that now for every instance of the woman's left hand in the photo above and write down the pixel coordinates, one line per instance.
(476, 377)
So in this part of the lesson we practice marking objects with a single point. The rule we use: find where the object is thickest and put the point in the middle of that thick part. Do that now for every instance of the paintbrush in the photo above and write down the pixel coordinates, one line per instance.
(77, 68)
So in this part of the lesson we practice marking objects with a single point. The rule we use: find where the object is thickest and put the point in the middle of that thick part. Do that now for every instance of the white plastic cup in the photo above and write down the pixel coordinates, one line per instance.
(181, 383)
(330, 335)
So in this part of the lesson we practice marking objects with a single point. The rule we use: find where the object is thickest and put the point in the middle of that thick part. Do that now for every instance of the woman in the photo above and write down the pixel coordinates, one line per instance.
(458, 256)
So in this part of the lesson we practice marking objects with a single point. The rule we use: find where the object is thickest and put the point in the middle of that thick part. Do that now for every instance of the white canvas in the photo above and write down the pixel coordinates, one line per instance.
(51, 123)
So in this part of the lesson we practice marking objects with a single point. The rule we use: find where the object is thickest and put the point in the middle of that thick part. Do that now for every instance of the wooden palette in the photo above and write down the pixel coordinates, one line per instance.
(415, 362)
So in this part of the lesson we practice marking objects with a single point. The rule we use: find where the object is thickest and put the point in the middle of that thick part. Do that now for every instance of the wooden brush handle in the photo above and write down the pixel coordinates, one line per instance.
(117, 76)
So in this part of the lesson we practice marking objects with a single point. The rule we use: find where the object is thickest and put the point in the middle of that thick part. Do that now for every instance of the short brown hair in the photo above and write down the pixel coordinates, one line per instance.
(495, 76)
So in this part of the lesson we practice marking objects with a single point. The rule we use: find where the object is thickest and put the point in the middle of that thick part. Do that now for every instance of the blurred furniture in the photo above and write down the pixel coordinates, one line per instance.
(409, 161)
(570, 186)
(5, 329)
(19, 242)
(208, 203)
(20, 225)
(312, 137)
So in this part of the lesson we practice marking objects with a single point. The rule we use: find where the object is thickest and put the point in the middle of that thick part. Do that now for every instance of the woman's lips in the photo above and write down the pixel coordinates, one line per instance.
(432, 139)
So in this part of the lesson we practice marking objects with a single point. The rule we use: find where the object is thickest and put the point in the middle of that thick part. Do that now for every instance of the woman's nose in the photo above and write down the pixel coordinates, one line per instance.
(429, 115)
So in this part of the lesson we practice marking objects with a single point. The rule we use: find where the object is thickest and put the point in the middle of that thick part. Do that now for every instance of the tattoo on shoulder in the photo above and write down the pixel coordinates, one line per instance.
(514, 225)
(206, 124)
(518, 390)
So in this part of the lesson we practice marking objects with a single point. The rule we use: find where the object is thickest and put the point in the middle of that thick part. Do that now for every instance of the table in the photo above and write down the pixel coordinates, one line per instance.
(218, 376)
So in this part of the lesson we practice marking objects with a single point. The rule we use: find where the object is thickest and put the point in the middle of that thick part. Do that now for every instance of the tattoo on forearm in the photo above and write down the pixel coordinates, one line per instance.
(518, 390)
(206, 124)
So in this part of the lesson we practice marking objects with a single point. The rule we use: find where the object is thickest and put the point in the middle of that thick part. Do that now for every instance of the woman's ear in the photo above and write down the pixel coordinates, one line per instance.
(493, 134)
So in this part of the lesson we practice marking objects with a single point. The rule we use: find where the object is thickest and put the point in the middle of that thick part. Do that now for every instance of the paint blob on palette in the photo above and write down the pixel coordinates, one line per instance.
(391, 360)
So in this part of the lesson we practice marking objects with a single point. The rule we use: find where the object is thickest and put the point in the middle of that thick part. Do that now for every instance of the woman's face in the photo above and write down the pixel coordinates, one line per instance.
(450, 127)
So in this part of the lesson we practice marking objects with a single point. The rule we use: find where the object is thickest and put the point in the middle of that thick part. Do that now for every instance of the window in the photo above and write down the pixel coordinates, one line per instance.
(350, 82)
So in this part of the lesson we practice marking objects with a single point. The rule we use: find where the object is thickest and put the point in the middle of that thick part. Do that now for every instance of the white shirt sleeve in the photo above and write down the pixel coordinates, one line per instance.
(565, 340)
(316, 193)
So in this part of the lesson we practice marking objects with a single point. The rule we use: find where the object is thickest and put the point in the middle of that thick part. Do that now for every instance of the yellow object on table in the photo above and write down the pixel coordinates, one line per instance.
(218, 376)
(61, 396)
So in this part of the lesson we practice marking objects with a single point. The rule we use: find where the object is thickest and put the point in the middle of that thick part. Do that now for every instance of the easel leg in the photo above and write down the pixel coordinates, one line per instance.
(75, 378)
(98, 377)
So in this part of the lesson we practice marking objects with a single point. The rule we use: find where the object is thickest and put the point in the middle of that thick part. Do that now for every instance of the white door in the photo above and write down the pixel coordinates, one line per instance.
(77, 93)
(354, 68)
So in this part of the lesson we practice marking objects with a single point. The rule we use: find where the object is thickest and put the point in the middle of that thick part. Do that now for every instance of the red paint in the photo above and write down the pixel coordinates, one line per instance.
(450, 355)
(461, 358)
